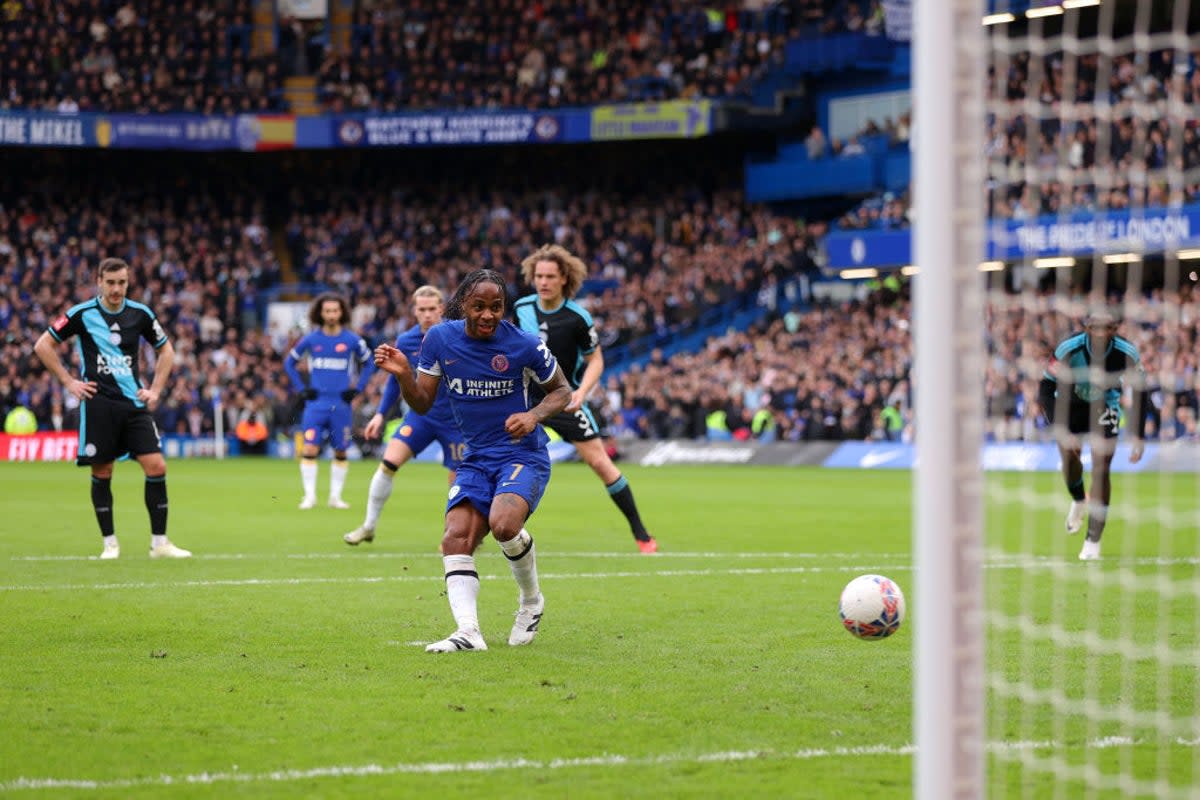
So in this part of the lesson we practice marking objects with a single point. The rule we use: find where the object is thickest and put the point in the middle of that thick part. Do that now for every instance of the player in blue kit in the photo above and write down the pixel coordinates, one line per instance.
(333, 354)
(416, 431)
(115, 416)
(487, 365)
(1080, 395)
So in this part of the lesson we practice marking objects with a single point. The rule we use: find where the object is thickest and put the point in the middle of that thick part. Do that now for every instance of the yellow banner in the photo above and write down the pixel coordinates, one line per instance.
(674, 119)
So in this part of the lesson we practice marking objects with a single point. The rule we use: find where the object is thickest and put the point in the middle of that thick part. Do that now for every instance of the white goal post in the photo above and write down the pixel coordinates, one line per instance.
(1056, 144)
(948, 57)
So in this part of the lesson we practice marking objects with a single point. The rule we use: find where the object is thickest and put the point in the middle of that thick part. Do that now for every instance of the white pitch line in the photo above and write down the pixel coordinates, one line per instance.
(433, 554)
(252, 582)
(1003, 563)
(499, 765)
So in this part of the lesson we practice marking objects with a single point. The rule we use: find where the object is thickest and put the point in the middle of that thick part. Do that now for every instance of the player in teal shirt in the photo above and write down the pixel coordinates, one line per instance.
(1080, 395)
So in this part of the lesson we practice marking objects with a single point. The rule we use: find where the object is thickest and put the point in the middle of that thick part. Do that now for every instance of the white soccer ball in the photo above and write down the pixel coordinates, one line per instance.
(872, 607)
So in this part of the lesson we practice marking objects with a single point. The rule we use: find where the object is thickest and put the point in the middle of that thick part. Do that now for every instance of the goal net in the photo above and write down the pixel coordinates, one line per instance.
(1086, 270)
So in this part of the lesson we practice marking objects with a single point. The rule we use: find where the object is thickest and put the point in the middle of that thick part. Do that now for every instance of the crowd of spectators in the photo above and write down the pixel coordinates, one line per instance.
(200, 256)
(134, 55)
(661, 251)
(496, 54)
(821, 374)
(666, 238)
(1099, 144)
(842, 371)
(204, 257)
(208, 56)
(1089, 145)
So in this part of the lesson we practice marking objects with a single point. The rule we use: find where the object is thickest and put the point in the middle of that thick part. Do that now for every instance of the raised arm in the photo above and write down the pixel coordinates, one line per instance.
(420, 390)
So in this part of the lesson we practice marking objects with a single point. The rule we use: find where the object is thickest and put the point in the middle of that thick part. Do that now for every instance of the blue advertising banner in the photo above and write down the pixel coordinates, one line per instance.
(149, 131)
(196, 132)
(18, 129)
(450, 128)
(1150, 230)
(1006, 457)
(258, 132)
(868, 248)
(167, 132)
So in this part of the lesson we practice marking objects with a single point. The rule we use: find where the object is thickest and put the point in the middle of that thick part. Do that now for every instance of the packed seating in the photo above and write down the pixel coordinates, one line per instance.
(204, 257)
(817, 375)
(1112, 163)
(829, 373)
(1137, 138)
(486, 54)
(200, 256)
(139, 55)
(657, 257)
(199, 56)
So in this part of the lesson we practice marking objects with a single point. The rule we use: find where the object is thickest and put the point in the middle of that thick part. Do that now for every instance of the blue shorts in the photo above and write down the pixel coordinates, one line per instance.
(325, 415)
(418, 432)
(525, 474)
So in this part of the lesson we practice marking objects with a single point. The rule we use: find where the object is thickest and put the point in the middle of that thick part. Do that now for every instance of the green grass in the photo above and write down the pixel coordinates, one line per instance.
(279, 663)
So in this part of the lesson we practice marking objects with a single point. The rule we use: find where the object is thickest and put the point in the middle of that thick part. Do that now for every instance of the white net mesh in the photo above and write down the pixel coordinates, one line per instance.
(1094, 171)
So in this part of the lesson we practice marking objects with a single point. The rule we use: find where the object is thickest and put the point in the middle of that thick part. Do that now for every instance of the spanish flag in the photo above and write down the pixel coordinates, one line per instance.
(275, 132)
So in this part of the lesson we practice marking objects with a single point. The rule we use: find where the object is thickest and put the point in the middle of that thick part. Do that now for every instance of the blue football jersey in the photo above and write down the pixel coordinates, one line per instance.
(440, 414)
(487, 380)
(332, 361)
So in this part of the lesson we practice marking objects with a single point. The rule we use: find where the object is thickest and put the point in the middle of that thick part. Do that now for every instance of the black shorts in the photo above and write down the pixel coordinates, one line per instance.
(575, 426)
(108, 431)
(1088, 418)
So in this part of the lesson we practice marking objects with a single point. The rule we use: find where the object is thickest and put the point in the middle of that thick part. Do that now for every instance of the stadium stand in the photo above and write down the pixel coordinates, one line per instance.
(150, 56)
(216, 57)
(550, 54)
(659, 254)
(1138, 138)
(200, 253)
(668, 239)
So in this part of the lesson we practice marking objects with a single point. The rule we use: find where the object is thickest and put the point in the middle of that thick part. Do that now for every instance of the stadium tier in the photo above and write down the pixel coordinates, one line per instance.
(786, 264)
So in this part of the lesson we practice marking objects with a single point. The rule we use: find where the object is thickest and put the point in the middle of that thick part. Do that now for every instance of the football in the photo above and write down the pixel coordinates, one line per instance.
(872, 607)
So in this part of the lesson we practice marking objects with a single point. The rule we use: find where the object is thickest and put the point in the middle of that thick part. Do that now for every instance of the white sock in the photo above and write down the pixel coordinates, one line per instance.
(111, 541)
(377, 496)
(157, 539)
(462, 589)
(337, 479)
(308, 477)
(522, 559)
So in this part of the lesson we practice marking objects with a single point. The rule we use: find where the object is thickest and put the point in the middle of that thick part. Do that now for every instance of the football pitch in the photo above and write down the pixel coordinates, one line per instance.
(279, 662)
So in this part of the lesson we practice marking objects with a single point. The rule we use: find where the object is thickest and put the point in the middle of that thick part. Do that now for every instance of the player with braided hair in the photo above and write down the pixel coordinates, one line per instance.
(486, 364)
